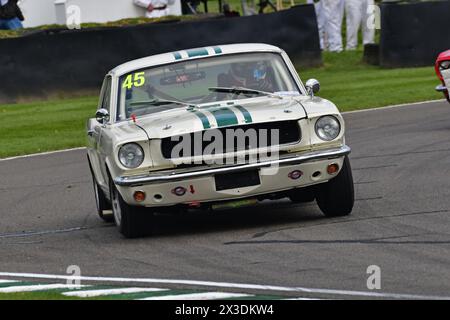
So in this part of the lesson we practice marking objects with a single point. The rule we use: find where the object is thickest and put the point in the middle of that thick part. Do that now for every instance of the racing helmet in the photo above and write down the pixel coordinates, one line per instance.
(255, 71)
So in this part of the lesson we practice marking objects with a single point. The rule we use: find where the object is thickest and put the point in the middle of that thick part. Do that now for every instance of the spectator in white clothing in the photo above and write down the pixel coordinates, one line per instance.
(333, 11)
(154, 8)
(359, 13)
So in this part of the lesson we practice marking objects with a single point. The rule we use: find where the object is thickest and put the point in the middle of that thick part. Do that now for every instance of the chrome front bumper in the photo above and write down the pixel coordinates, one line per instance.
(170, 176)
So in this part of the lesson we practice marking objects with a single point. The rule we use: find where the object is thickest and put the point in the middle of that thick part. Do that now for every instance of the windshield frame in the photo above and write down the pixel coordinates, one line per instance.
(293, 75)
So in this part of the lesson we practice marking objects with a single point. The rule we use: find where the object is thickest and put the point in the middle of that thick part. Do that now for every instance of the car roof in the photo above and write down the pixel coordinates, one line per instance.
(190, 54)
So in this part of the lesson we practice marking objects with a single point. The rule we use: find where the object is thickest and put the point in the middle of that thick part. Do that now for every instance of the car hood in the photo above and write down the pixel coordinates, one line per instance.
(184, 120)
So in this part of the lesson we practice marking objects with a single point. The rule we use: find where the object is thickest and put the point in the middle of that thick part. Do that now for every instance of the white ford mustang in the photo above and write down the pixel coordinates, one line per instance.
(213, 128)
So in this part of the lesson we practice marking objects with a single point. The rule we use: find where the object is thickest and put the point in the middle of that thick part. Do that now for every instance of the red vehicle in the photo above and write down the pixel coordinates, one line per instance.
(443, 71)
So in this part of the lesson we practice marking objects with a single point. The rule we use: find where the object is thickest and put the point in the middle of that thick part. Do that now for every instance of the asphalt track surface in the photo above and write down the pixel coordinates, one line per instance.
(401, 221)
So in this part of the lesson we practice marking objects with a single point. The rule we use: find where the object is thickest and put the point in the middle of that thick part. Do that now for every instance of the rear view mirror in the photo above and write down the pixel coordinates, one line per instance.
(312, 87)
(182, 78)
(102, 116)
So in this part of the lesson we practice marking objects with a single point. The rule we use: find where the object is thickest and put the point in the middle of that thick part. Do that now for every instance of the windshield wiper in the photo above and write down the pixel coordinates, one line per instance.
(239, 90)
(159, 102)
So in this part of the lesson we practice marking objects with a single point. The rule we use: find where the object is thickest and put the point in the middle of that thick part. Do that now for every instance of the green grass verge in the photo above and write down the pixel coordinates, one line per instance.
(352, 84)
(348, 82)
(44, 126)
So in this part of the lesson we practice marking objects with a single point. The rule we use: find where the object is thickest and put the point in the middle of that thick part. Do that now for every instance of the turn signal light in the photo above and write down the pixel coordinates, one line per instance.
(179, 191)
(139, 196)
(332, 168)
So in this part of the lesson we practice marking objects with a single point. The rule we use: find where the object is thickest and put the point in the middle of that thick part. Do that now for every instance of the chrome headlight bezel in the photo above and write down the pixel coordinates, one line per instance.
(131, 155)
(323, 132)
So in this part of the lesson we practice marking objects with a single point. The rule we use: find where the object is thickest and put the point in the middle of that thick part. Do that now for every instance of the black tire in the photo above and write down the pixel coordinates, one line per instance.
(101, 201)
(103, 204)
(337, 197)
(132, 221)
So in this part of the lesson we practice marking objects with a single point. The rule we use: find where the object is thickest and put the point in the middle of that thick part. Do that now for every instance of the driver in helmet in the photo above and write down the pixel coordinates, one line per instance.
(251, 75)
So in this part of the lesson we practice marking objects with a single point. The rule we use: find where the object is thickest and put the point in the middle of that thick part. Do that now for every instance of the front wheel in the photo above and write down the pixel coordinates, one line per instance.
(337, 197)
(132, 221)
(103, 205)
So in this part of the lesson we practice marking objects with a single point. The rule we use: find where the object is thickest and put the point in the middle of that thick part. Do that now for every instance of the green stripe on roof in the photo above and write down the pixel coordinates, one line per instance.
(177, 55)
(247, 115)
(197, 52)
(217, 50)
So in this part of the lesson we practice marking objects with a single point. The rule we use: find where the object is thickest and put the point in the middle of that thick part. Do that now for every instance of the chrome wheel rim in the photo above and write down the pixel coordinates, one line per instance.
(116, 207)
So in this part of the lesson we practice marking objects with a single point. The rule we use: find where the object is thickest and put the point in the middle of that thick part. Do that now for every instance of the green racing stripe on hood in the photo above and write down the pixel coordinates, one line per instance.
(223, 115)
(203, 118)
(245, 113)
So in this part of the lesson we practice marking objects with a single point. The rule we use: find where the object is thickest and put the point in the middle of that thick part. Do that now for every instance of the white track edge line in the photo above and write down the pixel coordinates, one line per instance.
(229, 285)
(394, 106)
(38, 287)
(7, 281)
(42, 154)
(108, 292)
(199, 296)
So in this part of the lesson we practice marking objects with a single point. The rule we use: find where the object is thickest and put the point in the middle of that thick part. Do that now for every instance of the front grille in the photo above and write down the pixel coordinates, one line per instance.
(195, 144)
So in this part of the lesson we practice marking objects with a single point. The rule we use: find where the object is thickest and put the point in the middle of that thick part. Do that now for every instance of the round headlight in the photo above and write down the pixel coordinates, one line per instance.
(131, 155)
(444, 65)
(328, 128)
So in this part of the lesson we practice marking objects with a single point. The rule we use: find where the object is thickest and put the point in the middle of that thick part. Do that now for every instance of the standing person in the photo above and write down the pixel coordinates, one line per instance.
(320, 21)
(358, 13)
(333, 11)
(155, 8)
(10, 15)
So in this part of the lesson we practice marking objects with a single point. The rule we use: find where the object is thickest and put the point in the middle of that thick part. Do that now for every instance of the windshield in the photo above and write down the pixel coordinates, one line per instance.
(202, 81)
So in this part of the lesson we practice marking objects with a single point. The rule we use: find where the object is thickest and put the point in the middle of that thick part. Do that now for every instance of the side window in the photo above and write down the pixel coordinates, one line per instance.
(105, 95)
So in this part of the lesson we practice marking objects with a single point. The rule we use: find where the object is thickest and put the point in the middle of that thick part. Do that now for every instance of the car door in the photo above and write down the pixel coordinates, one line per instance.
(94, 131)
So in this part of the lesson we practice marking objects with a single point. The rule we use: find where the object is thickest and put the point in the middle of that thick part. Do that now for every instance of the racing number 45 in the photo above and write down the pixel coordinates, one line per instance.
(134, 80)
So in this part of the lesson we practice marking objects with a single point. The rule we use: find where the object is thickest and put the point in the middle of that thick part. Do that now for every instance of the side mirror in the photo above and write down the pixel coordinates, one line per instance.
(312, 87)
(102, 116)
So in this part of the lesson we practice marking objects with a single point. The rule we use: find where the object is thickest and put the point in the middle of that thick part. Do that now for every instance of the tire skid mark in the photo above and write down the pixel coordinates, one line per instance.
(68, 183)
(264, 233)
(40, 233)
(357, 241)
(366, 182)
(399, 154)
(22, 242)
(376, 167)
(382, 240)
(369, 198)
